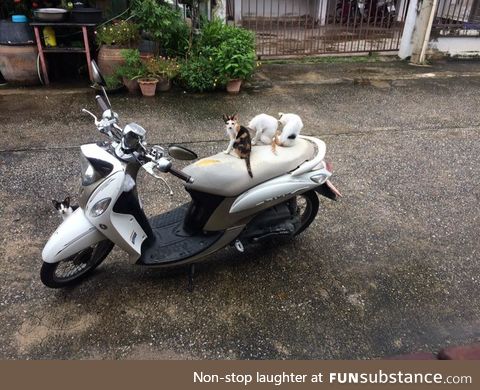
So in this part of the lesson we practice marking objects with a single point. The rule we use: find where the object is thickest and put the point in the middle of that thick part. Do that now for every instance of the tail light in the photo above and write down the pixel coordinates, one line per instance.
(329, 166)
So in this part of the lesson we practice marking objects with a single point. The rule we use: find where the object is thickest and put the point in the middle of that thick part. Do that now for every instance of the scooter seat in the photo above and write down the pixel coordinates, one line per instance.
(227, 175)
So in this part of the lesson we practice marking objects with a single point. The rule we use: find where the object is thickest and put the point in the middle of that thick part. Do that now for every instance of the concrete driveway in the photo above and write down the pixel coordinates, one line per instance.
(392, 267)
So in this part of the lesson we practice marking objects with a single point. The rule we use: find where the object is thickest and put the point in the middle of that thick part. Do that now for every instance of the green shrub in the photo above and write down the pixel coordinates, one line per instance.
(164, 24)
(162, 67)
(123, 33)
(112, 81)
(214, 33)
(133, 66)
(220, 53)
(198, 73)
(235, 58)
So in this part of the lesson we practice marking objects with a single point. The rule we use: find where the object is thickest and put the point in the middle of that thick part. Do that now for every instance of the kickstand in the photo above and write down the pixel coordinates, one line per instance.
(191, 273)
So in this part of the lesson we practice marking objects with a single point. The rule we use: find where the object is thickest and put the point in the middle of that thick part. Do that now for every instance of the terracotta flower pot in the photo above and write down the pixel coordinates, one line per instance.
(18, 64)
(132, 85)
(146, 56)
(233, 86)
(164, 84)
(148, 86)
(109, 59)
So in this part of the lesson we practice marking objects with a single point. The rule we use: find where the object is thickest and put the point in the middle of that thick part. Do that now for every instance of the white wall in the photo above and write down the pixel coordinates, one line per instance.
(269, 8)
(457, 47)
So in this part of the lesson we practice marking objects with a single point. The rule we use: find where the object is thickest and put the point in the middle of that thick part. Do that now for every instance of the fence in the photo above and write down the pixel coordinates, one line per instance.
(308, 27)
(457, 17)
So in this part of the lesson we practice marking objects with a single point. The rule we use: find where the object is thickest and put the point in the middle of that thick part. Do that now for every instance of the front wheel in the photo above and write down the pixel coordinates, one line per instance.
(305, 206)
(76, 267)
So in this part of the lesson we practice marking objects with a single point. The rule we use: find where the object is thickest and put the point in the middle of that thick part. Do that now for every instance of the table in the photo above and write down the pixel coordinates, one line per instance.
(42, 50)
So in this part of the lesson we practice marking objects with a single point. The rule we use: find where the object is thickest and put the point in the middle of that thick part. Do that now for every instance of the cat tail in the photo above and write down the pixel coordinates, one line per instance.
(274, 144)
(249, 168)
(276, 141)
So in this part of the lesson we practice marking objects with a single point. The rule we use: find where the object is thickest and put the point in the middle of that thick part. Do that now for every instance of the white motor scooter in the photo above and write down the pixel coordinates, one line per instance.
(227, 207)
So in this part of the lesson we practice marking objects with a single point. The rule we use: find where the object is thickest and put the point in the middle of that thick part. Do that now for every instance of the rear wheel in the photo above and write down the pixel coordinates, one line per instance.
(306, 207)
(76, 267)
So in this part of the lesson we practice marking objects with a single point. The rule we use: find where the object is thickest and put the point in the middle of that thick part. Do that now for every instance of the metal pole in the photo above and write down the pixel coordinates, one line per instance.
(405, 49)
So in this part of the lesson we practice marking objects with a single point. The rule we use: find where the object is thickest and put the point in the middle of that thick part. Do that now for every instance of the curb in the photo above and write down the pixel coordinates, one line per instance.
(265, 82)
(464, 352)
(41, 91)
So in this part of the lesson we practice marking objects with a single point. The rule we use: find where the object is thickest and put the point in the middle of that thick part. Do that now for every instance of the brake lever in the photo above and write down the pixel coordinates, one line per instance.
(103, 124)
(149, 167)
(92, 115)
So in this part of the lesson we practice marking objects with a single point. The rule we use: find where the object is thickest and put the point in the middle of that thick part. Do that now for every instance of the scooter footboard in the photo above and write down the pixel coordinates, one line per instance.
(73, 235)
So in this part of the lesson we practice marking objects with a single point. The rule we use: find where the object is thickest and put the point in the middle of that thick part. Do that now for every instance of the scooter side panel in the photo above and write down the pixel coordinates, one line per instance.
(131, 232)
(122, 229)
(240, 210)
(73, 235)
(280, 188)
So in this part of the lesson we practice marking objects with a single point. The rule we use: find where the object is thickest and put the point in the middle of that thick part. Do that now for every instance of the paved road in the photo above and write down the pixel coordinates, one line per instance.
(393, 267)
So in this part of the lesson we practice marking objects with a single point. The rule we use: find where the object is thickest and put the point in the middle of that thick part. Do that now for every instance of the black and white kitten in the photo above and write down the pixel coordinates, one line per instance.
(64, 208)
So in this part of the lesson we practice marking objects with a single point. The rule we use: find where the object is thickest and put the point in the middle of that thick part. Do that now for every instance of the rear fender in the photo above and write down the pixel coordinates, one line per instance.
(328, 190)
(73, 235)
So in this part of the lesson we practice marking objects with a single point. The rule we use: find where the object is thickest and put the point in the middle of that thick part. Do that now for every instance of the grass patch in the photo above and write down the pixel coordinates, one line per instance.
(374, 57)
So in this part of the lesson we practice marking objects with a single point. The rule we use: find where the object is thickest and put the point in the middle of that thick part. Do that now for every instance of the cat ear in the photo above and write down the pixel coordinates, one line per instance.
(225, 118)
(55, 203)
(67, 201)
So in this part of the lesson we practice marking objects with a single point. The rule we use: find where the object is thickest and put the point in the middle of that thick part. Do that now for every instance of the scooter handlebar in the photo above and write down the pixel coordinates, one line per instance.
(180, 175)
(165, 165)
(102, 103)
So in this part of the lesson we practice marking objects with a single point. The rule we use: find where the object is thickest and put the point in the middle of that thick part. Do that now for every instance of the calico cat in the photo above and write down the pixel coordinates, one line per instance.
(64, 208)
(292, 125)
(240, 140)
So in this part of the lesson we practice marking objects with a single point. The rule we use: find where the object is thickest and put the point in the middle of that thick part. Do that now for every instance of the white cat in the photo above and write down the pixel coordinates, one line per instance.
(265, 127)
(292, 125)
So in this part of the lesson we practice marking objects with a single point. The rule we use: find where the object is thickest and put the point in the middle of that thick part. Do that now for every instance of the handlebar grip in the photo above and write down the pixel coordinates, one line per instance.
(101, 103)
(180, 175)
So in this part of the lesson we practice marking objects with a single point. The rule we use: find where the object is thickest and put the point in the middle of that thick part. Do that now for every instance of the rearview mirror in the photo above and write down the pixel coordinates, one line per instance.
(181, 153)
(97, 75)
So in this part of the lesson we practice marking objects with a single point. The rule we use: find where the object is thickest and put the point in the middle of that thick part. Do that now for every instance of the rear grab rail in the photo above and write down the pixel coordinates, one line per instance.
(311, 164)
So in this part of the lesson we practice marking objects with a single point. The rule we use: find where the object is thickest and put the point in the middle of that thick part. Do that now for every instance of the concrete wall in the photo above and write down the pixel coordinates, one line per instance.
(455, 46)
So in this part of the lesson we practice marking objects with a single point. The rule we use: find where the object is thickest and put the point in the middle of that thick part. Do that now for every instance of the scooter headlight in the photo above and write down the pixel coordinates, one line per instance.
(100, 207)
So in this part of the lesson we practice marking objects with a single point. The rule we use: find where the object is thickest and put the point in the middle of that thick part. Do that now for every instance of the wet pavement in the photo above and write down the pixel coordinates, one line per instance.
(392, 267)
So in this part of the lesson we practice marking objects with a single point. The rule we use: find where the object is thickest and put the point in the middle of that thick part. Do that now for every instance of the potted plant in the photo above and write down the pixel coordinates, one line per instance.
(148, 84)
(131, 70)
(18, 51)
(112, 38)
(236, 59)
(164, 69)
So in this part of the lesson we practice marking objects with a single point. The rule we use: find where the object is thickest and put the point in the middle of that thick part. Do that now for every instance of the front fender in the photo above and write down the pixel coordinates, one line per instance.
(73, 235)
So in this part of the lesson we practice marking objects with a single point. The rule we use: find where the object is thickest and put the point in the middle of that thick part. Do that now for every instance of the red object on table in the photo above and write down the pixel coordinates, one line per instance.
(42, 50)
